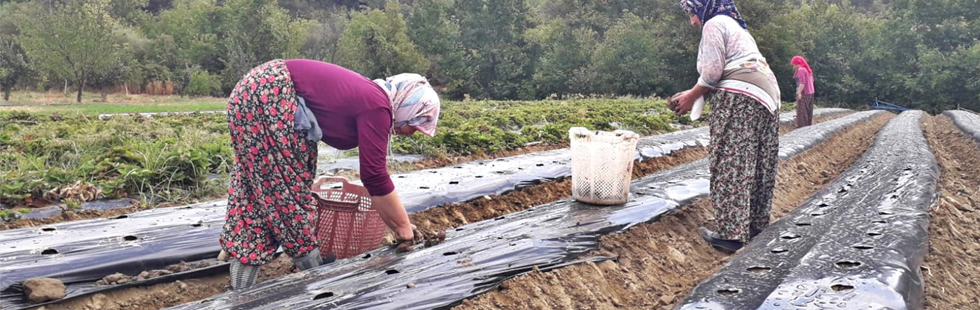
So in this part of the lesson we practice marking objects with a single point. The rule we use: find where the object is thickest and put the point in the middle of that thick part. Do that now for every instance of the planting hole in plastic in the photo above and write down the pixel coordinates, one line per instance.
(366, 256)
(198, 224)
(824, 205)
(423, 187)
(874, 233)
(803, 224)
(49, 252)
(479, 177)
(848, 264)
(401, 177)
(841, 287)
(539, 165)
(880, 222)
(790, 236)
(323, 295)
(459, 229)
(48, 229)
(779, 250)
(121, 217)
(885, 213)
(499, 218)
(817, 213)
(391, 271)
(863, 247)
(453, 182)
(450, 253)
(130, 238)
(759, 269)
(729, 291)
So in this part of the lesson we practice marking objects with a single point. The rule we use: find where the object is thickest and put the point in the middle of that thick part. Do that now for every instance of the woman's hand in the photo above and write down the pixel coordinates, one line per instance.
(682, 102)
(394, 215)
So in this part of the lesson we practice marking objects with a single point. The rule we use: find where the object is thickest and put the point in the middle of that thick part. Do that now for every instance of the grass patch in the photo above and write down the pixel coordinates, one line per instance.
(51, 103)
(154, 159)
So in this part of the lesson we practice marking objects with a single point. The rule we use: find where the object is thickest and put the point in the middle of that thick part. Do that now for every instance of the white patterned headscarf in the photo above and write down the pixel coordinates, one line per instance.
(413, 101)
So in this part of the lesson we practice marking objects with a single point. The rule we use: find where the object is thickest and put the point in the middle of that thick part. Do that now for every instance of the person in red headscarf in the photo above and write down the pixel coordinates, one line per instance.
(804, 92)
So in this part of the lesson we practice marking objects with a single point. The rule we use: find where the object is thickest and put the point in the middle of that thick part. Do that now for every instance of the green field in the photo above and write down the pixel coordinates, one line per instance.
(48, 103)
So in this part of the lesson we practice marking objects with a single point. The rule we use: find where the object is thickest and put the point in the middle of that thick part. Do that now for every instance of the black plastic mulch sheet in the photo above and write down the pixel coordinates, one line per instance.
(476, 258)
(968, 122)
(82, 252)
(856, 244)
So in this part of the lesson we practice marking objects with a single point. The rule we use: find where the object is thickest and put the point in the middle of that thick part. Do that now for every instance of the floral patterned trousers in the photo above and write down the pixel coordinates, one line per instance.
(744, 155)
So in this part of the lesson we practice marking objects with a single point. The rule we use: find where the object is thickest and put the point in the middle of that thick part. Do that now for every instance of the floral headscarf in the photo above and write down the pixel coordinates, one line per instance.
(706, 9)
(413, 101)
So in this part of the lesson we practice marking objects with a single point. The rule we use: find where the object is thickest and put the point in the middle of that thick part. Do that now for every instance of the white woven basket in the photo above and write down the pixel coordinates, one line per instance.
(602, 165)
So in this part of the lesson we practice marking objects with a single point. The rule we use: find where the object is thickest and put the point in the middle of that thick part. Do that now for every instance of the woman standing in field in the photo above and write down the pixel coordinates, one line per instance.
(744, 95)
(804, 91)
(276, 115)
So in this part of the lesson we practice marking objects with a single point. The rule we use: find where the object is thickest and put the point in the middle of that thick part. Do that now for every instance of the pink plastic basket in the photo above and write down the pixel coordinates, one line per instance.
(348, 225)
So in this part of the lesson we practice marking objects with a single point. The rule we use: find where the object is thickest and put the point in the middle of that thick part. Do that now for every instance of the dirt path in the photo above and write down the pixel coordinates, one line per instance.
(951, 270)
(660, 262)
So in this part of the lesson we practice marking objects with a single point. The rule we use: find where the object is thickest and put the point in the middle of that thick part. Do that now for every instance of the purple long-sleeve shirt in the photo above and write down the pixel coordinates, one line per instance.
(352, 111)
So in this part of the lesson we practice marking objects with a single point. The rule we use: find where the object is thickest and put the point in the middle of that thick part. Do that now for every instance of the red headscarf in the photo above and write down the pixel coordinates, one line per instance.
(799, 61)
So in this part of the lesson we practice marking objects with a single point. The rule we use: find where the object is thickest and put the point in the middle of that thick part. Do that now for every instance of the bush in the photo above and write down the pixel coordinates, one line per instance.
(203, 83)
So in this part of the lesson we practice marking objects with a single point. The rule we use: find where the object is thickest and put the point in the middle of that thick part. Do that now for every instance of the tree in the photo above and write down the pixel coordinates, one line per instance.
(376, 44)
(76, 41)
(565, 66)
(628, 61)
(256, 31)
(438, 36)
(324, 38)
(13, 64)
(492, 32)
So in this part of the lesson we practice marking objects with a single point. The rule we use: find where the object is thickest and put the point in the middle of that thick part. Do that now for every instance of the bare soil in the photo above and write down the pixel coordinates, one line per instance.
(164, 295)
(951, 270)
(68, 217)
(659, 263)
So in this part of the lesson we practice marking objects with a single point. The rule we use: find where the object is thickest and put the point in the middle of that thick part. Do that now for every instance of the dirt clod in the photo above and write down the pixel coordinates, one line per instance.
(40, 290)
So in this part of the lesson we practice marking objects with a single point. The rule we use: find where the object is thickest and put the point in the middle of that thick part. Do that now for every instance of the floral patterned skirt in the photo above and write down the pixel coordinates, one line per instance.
(269, 202)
